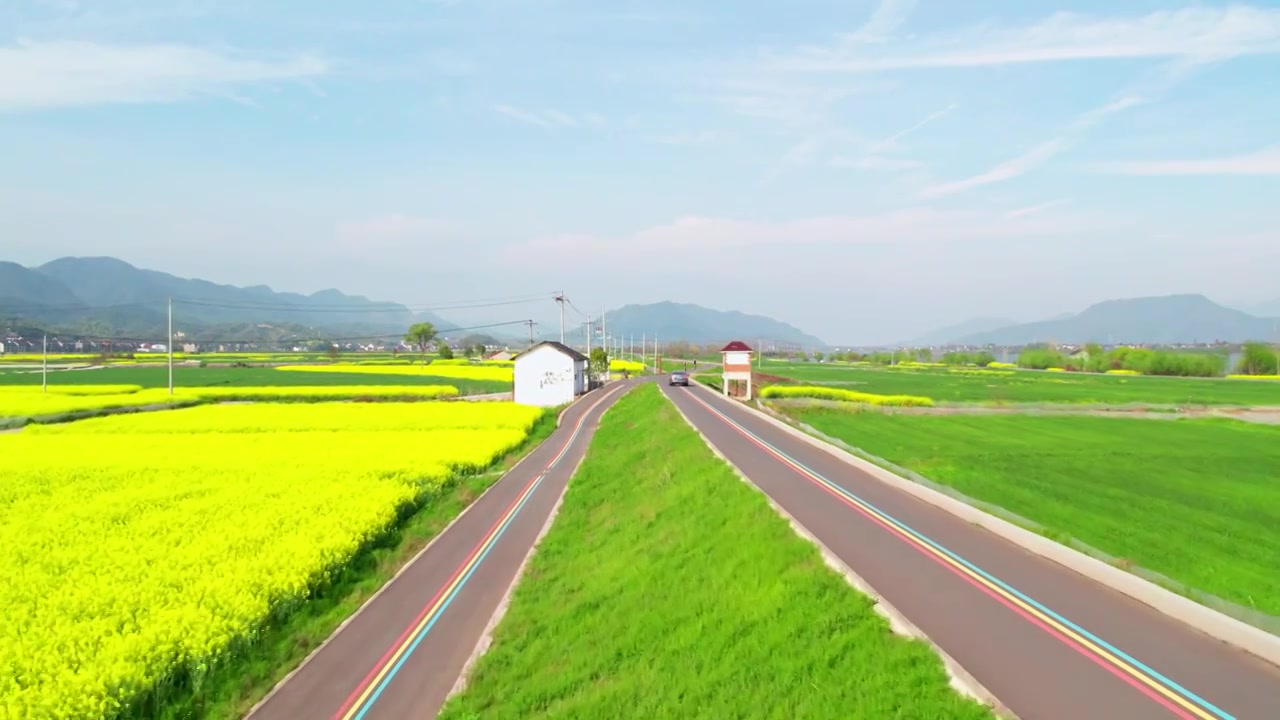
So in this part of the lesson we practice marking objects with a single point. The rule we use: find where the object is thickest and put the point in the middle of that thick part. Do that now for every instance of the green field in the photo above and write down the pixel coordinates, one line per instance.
(1027, 386)
(668, 588)
(1196, 500)
(155, 377)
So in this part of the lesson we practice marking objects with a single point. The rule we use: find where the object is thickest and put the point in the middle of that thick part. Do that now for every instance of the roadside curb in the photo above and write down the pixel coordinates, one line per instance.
(961, 681)
(486, 635)
(1215, 624)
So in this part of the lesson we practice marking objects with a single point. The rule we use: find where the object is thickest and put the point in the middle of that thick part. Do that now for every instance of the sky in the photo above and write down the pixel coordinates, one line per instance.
(866, 170)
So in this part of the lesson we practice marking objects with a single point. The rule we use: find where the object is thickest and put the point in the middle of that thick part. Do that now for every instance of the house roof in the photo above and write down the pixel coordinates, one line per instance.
(735, 346)
(565, 349)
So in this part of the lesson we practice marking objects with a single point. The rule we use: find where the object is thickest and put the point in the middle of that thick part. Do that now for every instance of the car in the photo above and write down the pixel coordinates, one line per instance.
(679, 377)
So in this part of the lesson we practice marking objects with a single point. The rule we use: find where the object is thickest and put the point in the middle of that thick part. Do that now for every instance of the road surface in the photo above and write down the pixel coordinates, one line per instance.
(400, 655)
(1046, 641)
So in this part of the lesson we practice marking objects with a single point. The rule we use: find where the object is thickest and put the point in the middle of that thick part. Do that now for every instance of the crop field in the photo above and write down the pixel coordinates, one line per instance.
(198, 377)
(486, 372)
(17, 402)
(143, 552)
(842, 395)
(1026, 386)
(669, 588)
(1196, 500)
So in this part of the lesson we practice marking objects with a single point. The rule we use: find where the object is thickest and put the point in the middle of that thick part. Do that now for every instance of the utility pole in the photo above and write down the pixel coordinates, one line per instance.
(588, 334)
(530, 323)
(560, 299)
(170, 346)
(604, 335)
(44, 364)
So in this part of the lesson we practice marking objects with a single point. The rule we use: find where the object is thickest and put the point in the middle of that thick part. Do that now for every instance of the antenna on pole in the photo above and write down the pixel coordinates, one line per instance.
(560, 299)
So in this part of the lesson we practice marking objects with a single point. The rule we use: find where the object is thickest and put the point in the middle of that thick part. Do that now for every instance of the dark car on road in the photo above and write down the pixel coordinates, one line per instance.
(679, 377)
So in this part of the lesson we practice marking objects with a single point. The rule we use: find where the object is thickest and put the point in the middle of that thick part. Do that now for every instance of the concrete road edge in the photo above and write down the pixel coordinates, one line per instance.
(1205, 619)
(961, 681)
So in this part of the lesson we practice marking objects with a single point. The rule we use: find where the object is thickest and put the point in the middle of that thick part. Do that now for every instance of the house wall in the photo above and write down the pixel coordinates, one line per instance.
(546, 377)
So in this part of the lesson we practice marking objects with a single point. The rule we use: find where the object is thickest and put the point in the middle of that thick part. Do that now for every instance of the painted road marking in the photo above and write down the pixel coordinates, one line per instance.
(1169, 694)
(372, 686)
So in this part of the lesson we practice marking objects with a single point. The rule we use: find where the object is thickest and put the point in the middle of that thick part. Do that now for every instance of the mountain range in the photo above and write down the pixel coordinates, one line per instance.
(103, 295)
(1168, 319)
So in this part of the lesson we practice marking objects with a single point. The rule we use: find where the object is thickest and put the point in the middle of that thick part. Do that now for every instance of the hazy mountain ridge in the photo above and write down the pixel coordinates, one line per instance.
(1168, 319)
(673, 321)
(945, 335)
(115, 296)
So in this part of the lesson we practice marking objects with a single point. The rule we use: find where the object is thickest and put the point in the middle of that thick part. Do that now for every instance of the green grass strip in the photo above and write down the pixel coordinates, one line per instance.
(233, 688)
(668, 588)
(1195, 500)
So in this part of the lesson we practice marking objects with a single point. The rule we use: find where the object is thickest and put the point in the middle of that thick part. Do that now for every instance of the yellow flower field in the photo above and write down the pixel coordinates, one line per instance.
(28, 401)
(468, 372)
(630, 366)
(827, 393)
(133, 546)
(22, 402)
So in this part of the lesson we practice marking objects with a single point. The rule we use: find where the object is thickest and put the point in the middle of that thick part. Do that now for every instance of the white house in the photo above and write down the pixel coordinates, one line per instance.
(736, 375)
(549, 374)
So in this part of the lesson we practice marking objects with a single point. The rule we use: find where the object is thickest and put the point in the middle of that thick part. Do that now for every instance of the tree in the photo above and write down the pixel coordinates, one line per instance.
(599, 363)
(818, 356)
(420, 335)
(444, 351)
(334, 352)
(1258, 359)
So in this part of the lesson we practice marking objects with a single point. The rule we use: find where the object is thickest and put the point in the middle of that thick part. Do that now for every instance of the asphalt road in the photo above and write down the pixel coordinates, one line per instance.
(1046, 641)
(400, 655)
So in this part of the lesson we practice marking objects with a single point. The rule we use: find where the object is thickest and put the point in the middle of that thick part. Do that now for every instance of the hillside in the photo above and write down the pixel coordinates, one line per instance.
(113, 296)
(948, 334)
(696, 324)
(1156, 320)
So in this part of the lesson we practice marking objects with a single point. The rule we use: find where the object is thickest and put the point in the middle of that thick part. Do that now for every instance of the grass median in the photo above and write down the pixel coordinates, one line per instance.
(1196, 500)
(668, 588)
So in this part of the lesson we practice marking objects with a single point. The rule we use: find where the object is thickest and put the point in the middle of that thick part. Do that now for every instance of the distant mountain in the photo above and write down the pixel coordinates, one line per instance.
(20, 286)
(696, 324)
(947, 335)
(1153, 320)
(111, 295)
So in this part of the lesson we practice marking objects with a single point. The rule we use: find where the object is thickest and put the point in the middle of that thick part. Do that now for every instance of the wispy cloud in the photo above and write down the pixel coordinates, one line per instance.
(703, 137)
(549, 119)
(888, 16)
(37, 75)
(875, 162)
(1262, 162)
(894, 138)
(1203, 33)
(1006, 170)
(1035, 209)
(705, 236)
(1038, 155)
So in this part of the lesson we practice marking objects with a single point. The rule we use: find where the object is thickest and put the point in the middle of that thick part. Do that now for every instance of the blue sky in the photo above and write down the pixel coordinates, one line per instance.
(864, 169)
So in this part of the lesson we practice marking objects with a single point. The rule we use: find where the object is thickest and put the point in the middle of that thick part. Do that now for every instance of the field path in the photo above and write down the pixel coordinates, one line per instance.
(1046, 641)
(400, 654)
